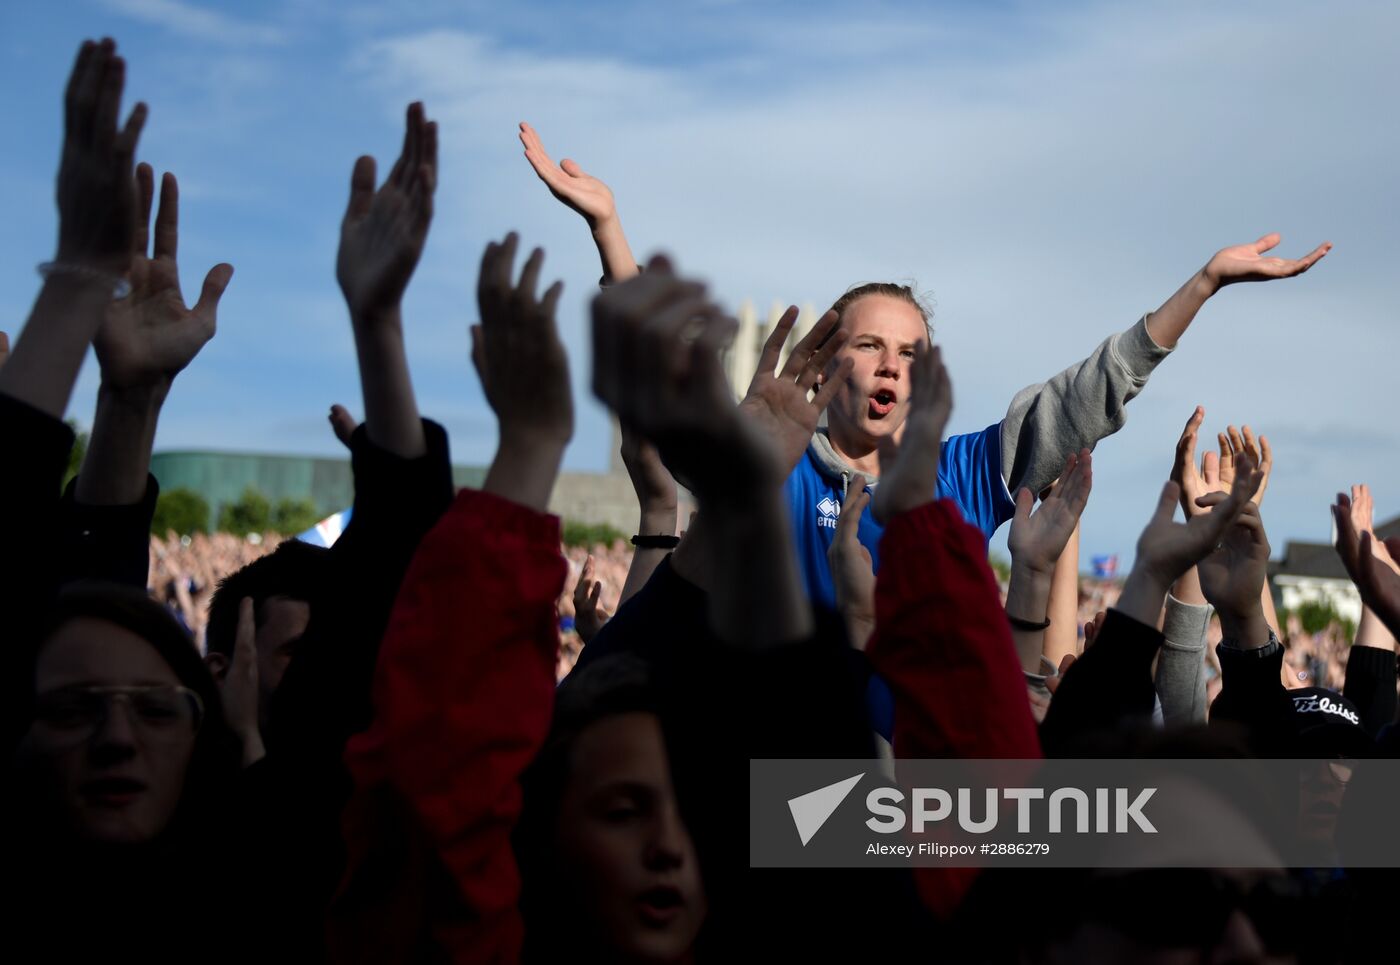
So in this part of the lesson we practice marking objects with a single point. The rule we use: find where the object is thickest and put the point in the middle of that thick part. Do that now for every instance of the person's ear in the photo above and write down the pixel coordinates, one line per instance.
(218, 665)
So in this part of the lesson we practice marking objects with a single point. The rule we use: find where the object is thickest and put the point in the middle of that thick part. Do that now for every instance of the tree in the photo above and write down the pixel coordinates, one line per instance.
(77, 454)
(250, 514)
(293, 516)
(589, 535)
(1318, 615)
(181, 510)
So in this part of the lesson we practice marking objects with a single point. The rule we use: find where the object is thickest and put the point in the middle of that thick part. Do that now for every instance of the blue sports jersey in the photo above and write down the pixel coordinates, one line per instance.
(969, 473)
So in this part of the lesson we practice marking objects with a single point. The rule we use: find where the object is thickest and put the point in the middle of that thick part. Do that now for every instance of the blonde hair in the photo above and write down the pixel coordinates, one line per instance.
(889, 289)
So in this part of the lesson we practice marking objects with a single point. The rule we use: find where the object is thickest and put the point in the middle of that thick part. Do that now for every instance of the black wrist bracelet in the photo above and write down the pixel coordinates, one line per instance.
(1028, 625)
(655, 542)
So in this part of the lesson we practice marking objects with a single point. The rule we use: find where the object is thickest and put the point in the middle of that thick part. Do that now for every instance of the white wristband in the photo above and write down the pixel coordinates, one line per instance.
(120, 286)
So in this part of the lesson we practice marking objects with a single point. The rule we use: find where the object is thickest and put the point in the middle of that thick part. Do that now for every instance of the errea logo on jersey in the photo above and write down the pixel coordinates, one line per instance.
(827, 511)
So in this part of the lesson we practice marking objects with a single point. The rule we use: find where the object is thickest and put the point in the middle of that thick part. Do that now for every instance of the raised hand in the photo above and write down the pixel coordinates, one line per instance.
(778, 403)
(656, 345)
(516, 349)
(852, 569)
(384, 231)
(909, 472)
(1232, 577)
(1362, 520)
(590, 198)
(567, 181)
(1166, 549)
(97, 205)
(150, 336)
(589, 612)
(1217, 471)
(1248, 263)
(1037, 539)
(1191, 482)
(1369, 561)
(343, 424)
(1232, 442)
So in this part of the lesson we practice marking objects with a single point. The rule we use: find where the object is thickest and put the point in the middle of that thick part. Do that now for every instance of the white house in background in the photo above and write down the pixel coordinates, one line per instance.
(1313, 573)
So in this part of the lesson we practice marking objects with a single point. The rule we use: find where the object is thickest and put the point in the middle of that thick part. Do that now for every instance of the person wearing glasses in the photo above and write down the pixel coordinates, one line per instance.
(122, 773)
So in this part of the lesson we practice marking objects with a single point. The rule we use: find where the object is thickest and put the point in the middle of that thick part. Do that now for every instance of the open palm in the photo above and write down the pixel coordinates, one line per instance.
(1248, 262)
(382, 236)
(584, 193)
(149, 336)
(1037, 539)
(777, 403)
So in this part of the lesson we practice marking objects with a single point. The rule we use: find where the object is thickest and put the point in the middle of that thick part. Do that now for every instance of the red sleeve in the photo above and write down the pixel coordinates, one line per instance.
(463, 692)
(943, 645)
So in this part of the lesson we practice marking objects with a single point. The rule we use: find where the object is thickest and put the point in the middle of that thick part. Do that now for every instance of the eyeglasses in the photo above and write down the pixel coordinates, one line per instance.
(160, 713)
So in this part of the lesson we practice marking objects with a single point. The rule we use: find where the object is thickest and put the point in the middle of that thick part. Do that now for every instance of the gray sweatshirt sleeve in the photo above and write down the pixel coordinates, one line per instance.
(1181, 663)
(1075, 409)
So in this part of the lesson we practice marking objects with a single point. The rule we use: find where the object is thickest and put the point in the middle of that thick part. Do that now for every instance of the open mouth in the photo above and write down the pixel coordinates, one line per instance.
(882, 403)
(661, 904)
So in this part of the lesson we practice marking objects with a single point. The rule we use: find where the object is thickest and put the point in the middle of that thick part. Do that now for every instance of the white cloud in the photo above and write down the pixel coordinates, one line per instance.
(197, 22)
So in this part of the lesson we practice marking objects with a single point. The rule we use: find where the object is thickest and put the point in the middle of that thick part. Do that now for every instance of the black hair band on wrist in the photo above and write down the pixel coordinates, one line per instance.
(655, 542)
(1028, 625)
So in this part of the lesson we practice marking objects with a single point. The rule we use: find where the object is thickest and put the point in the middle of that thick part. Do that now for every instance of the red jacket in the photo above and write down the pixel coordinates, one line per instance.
(943, 644)
(463, 693)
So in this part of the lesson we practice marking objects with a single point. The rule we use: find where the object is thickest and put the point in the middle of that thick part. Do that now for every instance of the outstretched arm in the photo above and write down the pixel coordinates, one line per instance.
(591, 198)
(517, 352)
(146, 340)
(1087, 401)
(1238, 263)
(381, 240)
(97, 218)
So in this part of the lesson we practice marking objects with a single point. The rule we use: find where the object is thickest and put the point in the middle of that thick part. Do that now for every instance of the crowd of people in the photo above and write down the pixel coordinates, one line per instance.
(383, 753)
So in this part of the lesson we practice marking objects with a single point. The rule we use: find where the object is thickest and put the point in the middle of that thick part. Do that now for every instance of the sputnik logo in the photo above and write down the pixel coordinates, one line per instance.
(811, 810)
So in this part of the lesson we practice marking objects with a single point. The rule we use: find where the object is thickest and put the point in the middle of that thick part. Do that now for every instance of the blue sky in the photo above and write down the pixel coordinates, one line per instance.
(1047, 173)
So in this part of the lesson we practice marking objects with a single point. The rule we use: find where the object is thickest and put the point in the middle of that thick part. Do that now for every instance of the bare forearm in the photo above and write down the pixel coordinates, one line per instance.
(118, 458)
(392, 421)
(1028, 598)
(1142, 597)
(1266, 603)
(614, 251)
(1167, 324)
(1371, 632)
(45, 362)
(1062, 636)
(1187, 588)
(654, 522)
(525, 469)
